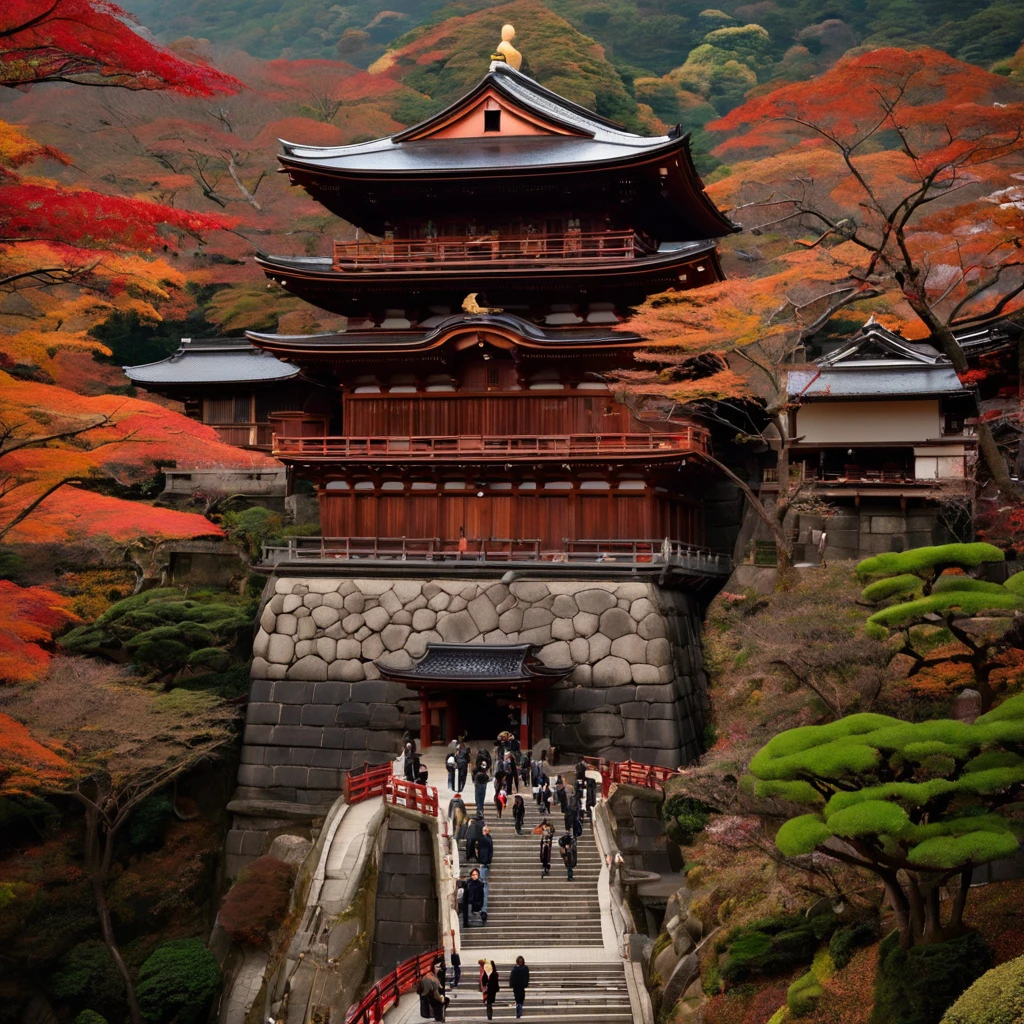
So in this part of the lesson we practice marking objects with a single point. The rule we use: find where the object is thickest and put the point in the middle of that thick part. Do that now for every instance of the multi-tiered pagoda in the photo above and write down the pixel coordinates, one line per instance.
(498, 245)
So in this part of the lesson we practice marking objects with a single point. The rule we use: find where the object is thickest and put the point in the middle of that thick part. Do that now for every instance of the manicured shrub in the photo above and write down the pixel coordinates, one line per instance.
(848, 939)
(147, 825)
(917, 985)
(685, 818)
(90, 1017)
(997, 997)
(772, 945)
(803, 995)
(178, 982)
(209, 659)
(86, 977)
(258, 901)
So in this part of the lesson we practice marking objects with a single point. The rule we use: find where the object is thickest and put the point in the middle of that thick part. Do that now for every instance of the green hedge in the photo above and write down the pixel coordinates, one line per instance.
(918, 985)
(997, 997)
(772, 945)
(178, 982)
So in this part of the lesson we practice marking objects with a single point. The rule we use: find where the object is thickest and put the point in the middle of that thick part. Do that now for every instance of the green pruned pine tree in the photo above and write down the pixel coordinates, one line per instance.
(921, 591)
(916, 804)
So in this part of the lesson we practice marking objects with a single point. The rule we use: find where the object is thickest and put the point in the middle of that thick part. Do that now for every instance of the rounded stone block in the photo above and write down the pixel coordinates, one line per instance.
(351, 624)
(423, 618)
(321, 586)
(327, 649)
(483, 613)
(652, 626)
(373, 647)
(349, 648)
(616, 622)
(260, 644)
(306, 629)
(402, 618)
(286, 625)
(646, 674)
(430, 590)
(538, 635)
(399, 659)
(376, 618)
(631, 647)
(612, 671)
(280, 649)
(309, 669)
(585, 623)
(406, 590)
(350, 671)
(325, 616)
(457, 604)
(579, 650)
(312, 601)
(390, 602)
(594, 601)
(259, 669)
(497, 594)
(346, 587)
(458, 627)
(562, 629)
(529, 592)
(304, 647)
(511, 621)
(556, 654)
(659, 652)
(394, 637)
(301, 612)
(284, 586)
(354, 603)
(641, 608)
(534, 617)
(291, 602)
(439, 601)
(418, 602)
(600, 645)
(599, 725)
(334, 601)
(564, 606)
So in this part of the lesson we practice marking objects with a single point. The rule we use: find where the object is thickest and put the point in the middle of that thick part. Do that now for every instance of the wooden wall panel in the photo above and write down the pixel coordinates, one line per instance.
(498, 415)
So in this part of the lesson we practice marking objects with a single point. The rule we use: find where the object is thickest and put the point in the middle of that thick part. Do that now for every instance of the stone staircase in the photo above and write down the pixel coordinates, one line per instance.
(526, 910)
(567, 993)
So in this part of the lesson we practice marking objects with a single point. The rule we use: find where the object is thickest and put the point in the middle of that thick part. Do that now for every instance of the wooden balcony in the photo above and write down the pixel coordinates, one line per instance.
(244, 435)
(485, 448)
(535, 250)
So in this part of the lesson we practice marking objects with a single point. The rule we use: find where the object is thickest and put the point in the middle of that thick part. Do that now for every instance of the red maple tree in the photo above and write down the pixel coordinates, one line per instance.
(93, 42)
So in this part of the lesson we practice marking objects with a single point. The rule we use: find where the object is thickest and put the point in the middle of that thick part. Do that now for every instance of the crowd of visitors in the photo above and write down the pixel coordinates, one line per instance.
(510, 768)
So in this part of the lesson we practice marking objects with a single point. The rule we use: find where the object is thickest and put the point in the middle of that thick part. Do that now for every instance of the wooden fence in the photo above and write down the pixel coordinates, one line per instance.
(371, 781)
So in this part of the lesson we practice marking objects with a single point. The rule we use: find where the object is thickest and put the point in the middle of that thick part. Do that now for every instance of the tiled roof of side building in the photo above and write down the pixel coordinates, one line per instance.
(213, 361)
(863, 383)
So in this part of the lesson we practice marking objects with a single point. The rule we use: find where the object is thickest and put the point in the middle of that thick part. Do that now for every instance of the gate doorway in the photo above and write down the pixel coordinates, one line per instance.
(482, 714)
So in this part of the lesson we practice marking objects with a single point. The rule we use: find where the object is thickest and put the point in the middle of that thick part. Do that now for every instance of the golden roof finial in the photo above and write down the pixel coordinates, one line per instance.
(512, 56)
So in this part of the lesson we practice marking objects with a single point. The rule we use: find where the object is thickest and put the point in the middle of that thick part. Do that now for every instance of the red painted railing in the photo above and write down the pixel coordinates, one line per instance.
(633, 773)
(366, 782)
(411, 795)
(386, 993)
(484, 446)
(371, 781)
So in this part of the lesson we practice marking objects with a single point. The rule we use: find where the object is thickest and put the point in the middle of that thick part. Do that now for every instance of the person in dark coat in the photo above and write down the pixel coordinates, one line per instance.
(546, 832)
(519, 981)
(511, 773)
(458, 816)
(545, 798)
(518, 814)
(472, 897)
(560, 794)
(484, 855)
(432, 997)
(499, 777)
(473, 834)
(411, 765)
(456, 969)
(480, 780)
(483, 760)
(462, 764)
(489, 985)
(591, 797)
(581, 770)
(567, 848)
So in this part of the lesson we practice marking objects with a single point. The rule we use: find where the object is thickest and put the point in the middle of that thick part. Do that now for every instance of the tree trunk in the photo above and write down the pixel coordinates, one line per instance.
(99, 888)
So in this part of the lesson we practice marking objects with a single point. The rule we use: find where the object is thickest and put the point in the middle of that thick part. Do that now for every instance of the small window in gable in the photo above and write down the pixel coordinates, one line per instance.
(492, 117)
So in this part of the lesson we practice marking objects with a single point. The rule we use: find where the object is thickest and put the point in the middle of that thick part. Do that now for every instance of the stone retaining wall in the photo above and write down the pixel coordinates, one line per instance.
(318, 704)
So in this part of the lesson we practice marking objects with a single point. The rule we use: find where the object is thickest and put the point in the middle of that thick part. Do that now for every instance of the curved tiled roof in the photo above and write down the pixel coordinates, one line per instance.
(213, 361)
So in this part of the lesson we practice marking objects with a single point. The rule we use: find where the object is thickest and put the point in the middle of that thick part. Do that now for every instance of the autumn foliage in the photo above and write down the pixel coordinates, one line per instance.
(29, 617)
(92, 42)
(257, 903)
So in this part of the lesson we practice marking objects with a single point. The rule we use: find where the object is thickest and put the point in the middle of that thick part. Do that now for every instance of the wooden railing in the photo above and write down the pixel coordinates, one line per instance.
(371, 781)
(486, 446)
(454, 251)
(632, 773)
(386, 993)
(626, 552)
(366, 782)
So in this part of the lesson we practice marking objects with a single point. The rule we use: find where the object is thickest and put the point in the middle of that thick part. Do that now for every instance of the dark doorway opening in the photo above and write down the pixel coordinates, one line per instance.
(483, 714)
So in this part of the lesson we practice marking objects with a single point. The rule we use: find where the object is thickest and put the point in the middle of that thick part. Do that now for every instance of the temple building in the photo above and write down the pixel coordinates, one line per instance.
(505, 543)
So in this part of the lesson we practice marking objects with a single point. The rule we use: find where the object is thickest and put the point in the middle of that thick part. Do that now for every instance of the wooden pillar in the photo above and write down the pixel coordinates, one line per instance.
(525, 719)
(424, 720)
